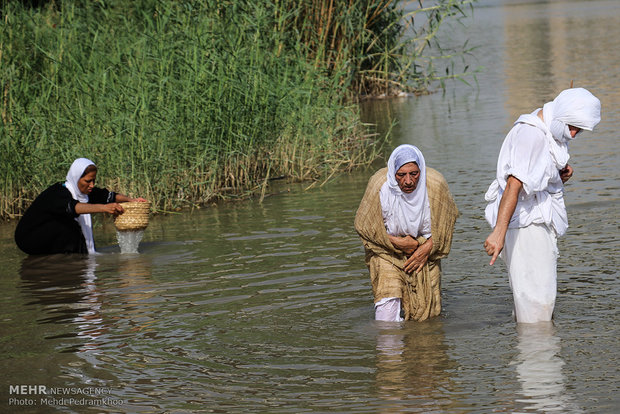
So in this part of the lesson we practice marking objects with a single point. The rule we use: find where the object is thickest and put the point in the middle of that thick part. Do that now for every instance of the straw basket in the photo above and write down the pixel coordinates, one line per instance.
(135, 217)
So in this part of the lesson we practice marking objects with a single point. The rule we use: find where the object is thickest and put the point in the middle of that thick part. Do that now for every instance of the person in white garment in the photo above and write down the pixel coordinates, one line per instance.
(526, 204)
(403, 250)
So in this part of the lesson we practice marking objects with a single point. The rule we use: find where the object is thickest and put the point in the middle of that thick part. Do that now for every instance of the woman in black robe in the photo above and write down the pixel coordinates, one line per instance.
(58, 220)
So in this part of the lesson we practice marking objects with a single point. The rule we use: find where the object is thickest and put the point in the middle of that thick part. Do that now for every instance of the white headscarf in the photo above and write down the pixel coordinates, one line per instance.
(73, 176)
(405, 214)
(576, 107)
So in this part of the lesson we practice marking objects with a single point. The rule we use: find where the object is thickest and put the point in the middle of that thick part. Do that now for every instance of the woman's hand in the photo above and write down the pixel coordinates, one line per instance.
(112, 208)
(418, 259)
(121, 198)
(406, 244)
(566, 173)
(494, 244)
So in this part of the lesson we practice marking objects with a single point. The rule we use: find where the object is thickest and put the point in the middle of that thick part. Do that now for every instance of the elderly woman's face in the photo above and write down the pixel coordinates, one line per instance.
(407, 177)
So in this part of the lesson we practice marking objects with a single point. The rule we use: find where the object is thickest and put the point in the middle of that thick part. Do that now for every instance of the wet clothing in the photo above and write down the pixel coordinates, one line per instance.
(530, 247)
(419, 292)
(49, 225)
(531, 256)
(534, 152)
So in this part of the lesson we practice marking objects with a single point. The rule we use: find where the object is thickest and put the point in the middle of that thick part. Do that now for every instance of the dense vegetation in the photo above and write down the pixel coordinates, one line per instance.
(187, 101)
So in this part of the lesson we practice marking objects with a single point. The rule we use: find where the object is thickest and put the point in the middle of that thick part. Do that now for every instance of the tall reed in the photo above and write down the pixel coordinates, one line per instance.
(178, 102)
(184, 102)
(381, 46)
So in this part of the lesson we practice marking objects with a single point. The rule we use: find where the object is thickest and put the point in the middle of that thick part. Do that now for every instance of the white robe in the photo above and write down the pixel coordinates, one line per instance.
(525, 155)
(534, 152)
(531, 256)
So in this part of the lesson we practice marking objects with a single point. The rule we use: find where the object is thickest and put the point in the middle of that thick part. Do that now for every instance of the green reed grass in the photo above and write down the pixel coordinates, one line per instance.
(382, 46)
(185, 102)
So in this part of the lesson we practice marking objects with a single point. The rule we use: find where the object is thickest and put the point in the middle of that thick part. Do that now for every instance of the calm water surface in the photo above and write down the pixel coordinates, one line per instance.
(249, 307)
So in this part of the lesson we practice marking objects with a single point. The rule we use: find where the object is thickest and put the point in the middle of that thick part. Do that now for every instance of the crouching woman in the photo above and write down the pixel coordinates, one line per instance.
(59, 221)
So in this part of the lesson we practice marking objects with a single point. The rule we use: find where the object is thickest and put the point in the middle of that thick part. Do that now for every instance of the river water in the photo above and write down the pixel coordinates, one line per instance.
(267, 307)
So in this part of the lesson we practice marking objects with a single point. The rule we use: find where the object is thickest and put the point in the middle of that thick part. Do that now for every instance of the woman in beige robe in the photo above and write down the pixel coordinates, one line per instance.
(419, 291)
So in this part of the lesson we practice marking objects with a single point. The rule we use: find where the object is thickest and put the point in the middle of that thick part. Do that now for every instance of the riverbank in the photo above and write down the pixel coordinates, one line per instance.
(185, 103)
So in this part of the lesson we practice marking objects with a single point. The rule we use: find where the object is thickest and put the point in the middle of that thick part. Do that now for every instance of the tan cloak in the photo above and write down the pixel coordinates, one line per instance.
(420, 292)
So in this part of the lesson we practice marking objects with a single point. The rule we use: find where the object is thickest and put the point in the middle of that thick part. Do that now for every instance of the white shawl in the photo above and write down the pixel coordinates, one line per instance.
(73, 176)
(405, 214)
(576, 107)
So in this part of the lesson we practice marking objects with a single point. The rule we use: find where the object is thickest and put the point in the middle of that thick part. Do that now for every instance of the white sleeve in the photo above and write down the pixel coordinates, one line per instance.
(528, 159)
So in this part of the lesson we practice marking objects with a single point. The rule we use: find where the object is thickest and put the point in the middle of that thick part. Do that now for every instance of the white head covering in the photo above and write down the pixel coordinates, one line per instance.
(576, 107)
(405, 214)
(73, 176)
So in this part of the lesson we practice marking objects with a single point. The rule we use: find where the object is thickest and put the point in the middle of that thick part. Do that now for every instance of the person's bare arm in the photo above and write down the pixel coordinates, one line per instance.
(87, 208)
(406, 244)
(495, 242)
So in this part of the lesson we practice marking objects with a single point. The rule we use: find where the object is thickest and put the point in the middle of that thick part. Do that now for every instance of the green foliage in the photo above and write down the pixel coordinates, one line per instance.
(380, 46)
(184, 102)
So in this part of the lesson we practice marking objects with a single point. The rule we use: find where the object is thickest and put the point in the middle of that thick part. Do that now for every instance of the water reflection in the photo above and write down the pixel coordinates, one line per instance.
(413, 366)
(248, 307)
(66, 292)
(84, 315)
(542, 50)
(135, 289)
(539, 369)
(64, 285)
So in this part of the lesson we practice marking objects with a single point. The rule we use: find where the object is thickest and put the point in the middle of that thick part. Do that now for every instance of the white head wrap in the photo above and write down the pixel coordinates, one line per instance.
(576, 107)
(73, 176)
(405, 214)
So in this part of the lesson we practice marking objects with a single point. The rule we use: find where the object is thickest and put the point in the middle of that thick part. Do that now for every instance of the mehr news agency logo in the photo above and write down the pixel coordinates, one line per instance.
(41, 395)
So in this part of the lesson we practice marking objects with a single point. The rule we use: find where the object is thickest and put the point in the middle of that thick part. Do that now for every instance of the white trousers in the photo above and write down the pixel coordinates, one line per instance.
(388, 310)
(531, 256)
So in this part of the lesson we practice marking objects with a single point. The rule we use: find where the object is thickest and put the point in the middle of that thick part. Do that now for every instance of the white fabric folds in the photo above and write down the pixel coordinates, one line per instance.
(405, 214)
(576, 107)
(534, 152)
(388, 310)
(531, 256)
(73, 176)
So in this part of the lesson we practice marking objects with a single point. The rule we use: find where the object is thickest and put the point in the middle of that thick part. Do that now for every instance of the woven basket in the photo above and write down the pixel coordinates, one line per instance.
(135, 217)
